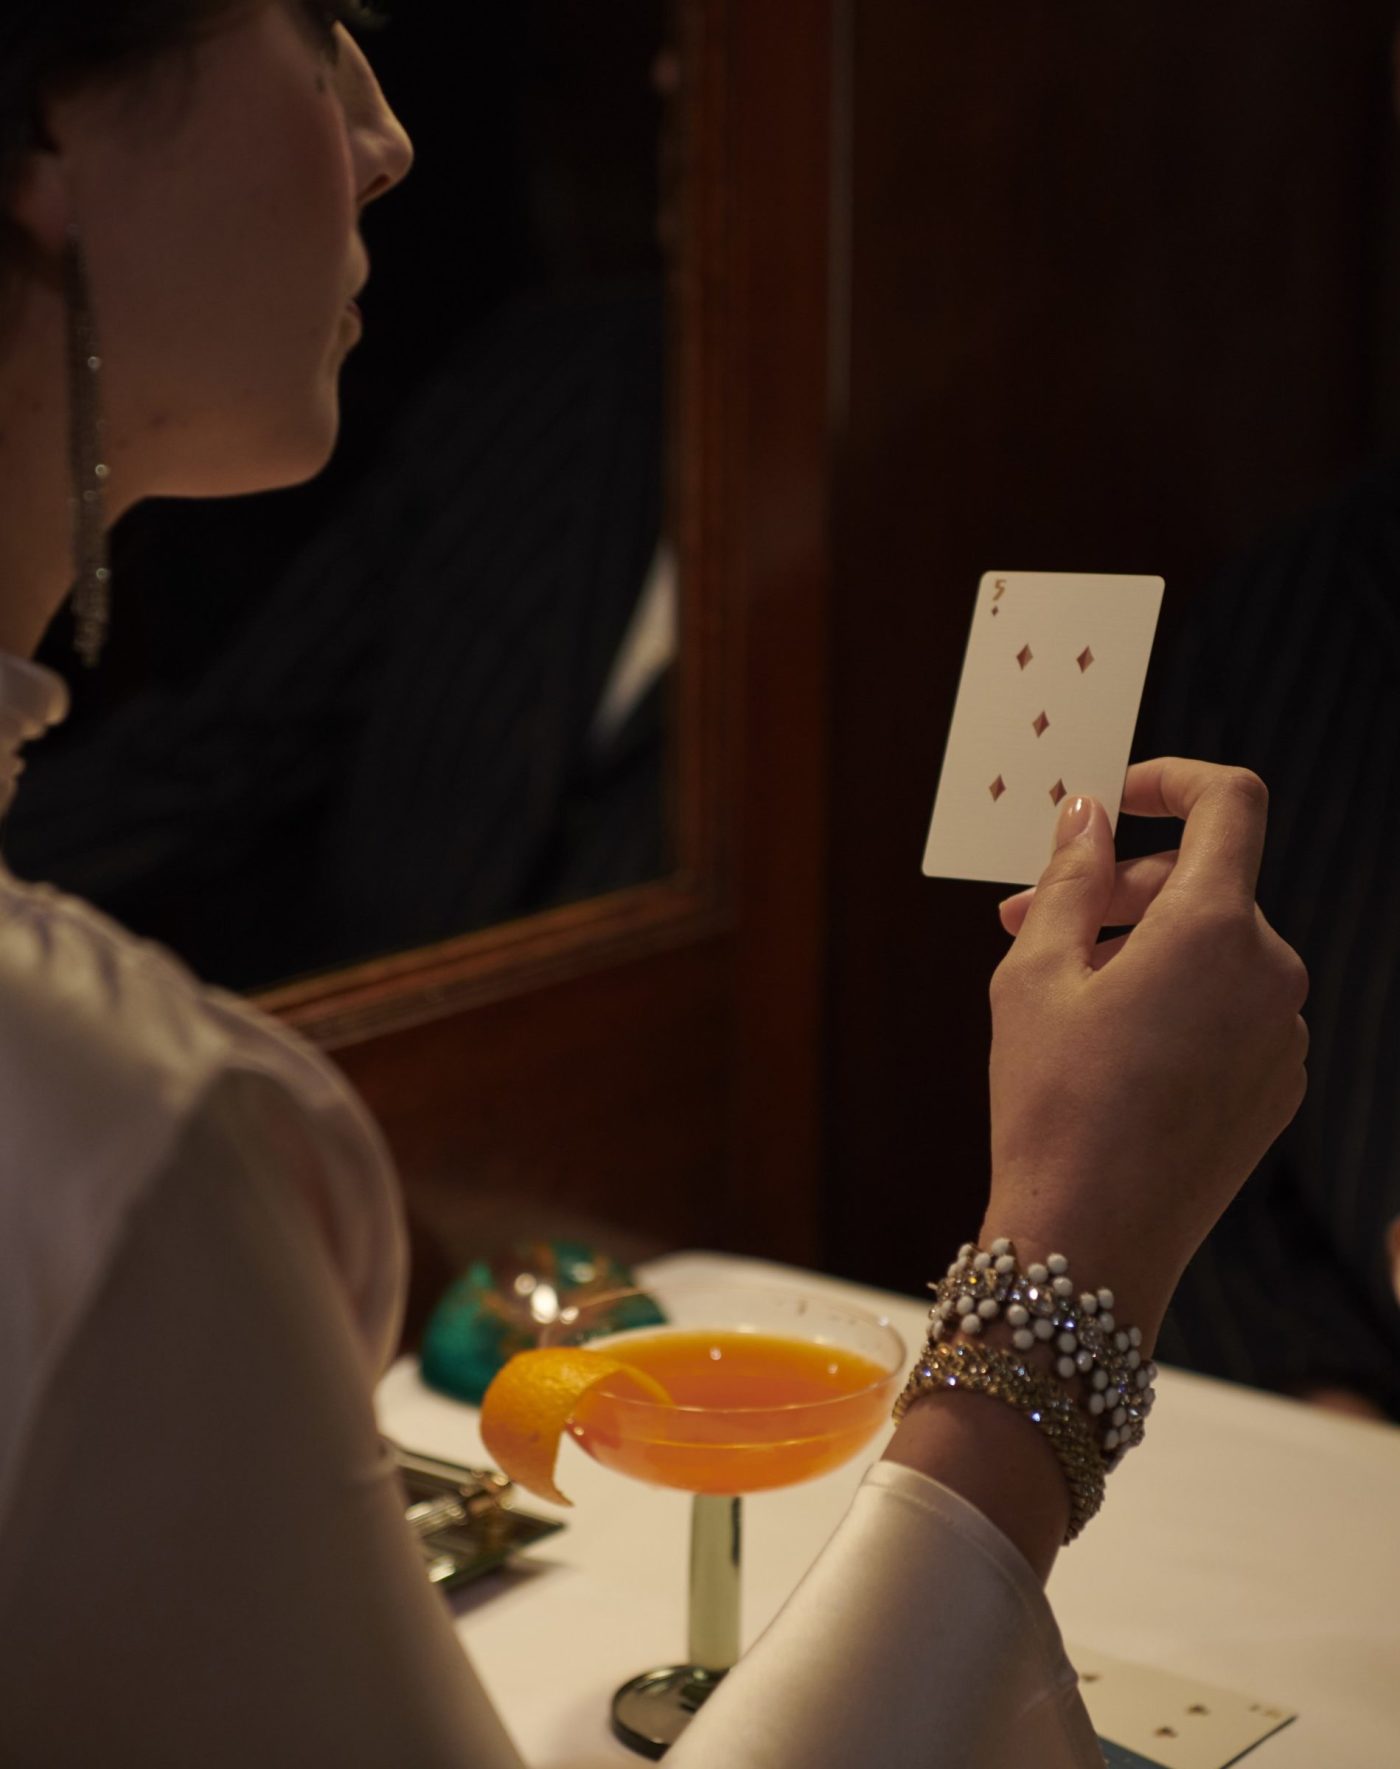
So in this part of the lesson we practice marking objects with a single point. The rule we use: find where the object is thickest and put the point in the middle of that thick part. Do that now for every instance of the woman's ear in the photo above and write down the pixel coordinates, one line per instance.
(68, 129)
(40, 200)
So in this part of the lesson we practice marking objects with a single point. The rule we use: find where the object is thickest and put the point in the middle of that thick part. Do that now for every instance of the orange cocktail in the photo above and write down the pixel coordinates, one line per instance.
(768, 1385)
(751, 1410)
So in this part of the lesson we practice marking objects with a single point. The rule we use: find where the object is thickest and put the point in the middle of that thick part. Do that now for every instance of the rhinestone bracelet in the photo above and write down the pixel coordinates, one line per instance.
(1044, 1402)
(1040, 1305)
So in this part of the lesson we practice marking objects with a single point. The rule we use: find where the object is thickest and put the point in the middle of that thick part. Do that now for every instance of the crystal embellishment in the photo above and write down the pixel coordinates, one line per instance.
(1040, 1306)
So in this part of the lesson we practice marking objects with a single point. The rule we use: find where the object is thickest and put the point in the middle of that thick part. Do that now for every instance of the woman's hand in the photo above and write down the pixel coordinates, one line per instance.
(1137, 1081)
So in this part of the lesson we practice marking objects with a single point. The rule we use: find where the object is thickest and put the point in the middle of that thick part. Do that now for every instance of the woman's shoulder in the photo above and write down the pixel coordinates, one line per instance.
(83, 998)
(95, 1025)
(109, 1042)
(119, 1073)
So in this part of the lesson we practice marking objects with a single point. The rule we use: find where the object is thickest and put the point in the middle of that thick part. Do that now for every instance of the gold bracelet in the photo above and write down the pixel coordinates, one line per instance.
(1004, 1376)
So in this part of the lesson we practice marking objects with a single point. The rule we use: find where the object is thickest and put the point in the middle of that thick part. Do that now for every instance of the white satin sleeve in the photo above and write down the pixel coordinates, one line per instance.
(919, 1639)
(206, 1560)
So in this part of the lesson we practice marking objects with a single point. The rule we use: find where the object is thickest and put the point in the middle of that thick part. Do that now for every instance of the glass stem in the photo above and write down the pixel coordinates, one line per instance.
(714, 1581)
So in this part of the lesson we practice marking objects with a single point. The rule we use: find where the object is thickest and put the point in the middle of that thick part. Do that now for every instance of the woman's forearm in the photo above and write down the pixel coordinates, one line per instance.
(997, 1460)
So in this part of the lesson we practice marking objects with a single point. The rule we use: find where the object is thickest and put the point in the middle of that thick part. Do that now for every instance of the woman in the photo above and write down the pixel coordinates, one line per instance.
(202, 1550)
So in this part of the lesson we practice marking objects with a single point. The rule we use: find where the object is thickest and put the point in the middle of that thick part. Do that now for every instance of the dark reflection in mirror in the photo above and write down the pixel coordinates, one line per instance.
(428, 691)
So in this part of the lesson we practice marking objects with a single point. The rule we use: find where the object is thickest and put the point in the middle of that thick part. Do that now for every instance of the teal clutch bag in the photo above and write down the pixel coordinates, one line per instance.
(500, 1306)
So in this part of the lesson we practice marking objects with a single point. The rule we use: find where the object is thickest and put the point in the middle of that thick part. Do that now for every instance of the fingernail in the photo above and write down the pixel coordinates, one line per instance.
(1074, 820)
(1019, 898)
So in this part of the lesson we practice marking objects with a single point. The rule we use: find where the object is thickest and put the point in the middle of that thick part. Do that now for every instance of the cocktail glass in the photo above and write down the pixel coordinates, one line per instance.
(770, 1386)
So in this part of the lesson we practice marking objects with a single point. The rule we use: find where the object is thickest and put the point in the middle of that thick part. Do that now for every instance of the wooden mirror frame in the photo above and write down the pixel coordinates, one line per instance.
(401, 990)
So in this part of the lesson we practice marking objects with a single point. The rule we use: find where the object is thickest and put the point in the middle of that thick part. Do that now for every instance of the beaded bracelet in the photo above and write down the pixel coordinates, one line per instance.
(1044, 1401)
(1040, 1304)
(1040, 1307)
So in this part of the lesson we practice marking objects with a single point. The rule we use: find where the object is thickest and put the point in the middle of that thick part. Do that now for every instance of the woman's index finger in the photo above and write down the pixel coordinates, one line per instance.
(1225, 810)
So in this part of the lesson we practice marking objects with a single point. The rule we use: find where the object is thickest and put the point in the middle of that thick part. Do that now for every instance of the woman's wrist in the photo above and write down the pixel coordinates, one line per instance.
(997, 1460)
(1099, 1259)
(1019, 1322)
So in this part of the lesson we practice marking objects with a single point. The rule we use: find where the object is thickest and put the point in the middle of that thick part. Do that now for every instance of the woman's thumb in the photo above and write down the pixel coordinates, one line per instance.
(1075, 889)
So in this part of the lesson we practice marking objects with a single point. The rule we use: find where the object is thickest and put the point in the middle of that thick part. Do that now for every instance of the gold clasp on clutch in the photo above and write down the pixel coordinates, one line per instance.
(464, 1518)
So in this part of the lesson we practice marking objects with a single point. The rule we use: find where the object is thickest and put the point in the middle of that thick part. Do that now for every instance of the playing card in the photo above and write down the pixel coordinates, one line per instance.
(1150, 1719)
(1049, 696)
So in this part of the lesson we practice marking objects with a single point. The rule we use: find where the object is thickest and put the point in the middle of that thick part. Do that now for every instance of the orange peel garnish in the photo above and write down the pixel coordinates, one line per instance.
(532, 1398)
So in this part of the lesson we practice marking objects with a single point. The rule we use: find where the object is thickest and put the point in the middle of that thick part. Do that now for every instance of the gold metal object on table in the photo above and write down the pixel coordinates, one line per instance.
(464, 1518)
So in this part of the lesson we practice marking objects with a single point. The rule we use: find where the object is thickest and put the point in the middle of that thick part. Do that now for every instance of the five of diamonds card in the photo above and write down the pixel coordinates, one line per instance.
(1046, 707)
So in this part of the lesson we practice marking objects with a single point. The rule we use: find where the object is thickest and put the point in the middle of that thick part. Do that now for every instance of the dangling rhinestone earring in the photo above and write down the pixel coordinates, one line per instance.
(92, 592)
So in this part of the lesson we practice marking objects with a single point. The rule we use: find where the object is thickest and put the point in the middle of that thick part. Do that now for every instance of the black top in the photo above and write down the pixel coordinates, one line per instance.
(1290, 665)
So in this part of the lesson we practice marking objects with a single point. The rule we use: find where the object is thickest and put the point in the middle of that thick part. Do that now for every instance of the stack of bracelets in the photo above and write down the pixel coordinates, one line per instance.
(1041, 1308)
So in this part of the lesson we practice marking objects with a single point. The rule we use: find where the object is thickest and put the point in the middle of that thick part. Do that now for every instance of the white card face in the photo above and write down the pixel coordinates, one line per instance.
(1046, 707)
(1162, 1721)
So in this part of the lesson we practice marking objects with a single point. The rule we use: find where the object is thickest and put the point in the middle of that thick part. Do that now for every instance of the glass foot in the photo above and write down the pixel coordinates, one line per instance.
(651, 1711)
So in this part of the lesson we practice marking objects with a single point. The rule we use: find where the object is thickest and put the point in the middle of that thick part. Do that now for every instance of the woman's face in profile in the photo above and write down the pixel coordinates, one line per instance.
(221, 225)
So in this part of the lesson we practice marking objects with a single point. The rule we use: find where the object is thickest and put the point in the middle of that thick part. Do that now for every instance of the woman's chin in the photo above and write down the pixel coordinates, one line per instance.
(279, 467)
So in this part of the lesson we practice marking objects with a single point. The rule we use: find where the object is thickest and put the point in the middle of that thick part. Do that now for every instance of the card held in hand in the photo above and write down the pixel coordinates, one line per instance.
(1050, 690)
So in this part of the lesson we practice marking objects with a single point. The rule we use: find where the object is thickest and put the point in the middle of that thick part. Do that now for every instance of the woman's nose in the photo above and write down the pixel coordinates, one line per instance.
(383, 147)
(391, 157)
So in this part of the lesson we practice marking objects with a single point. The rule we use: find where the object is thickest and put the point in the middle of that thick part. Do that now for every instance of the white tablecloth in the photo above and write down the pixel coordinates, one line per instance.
(1251, 1541)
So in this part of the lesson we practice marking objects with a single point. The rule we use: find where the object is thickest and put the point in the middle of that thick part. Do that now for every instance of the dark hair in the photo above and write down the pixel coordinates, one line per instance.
(52, 47)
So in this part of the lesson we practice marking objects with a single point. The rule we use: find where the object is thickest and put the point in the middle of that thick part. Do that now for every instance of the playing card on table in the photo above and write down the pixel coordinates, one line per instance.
(1049, 696)
(1151, 1719)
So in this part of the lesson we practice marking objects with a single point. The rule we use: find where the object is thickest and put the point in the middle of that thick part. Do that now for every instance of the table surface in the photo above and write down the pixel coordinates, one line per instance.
(1251, 1541)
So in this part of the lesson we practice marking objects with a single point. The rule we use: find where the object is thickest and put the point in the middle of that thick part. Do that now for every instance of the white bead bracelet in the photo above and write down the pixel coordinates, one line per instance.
(1040, 1306)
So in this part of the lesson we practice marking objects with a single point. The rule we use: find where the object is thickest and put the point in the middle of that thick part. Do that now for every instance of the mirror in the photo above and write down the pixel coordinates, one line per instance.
(431, 691)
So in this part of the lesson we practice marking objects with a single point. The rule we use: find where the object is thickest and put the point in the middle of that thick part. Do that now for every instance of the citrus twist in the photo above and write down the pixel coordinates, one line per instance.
(532, 1398)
